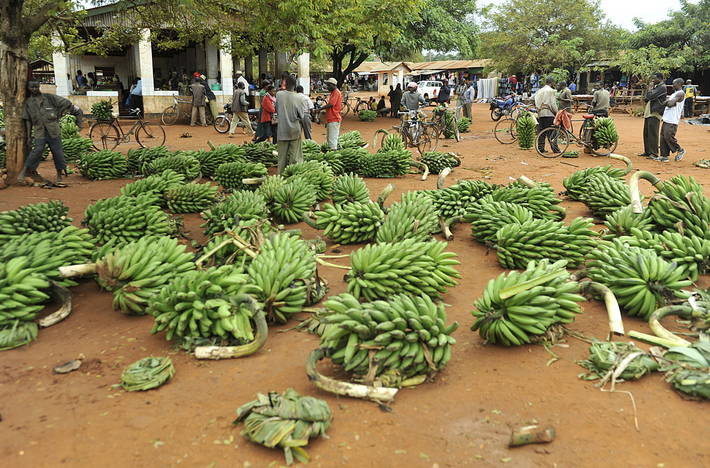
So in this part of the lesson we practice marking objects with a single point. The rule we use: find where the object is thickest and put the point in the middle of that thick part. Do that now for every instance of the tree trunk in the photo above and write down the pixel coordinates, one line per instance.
(338, 56)
(14, 66)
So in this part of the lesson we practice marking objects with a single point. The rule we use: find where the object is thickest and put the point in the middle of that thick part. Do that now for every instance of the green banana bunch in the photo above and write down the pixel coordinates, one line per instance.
(393, 163)
(75, 148)
(620, 222)
(518, 244)
(263, 152)
(525, 128)
(640, 279)
(350, 188)
(382, 270)
(21, 295)
(68, 127)
(138, 160)
(229, 175)
(156, 184)
(541, 199)
(449, 129)
(351, 223)
(251, 231)
(352, 139)
(310, 147)
(390, 340)
(393, 142)
(127, 218)
(606, 194)
(211, 160)
(190, 198)
(281, 270)
(691, 254)
(140, 270)
(331, 158)
(464, 124)
(188, 166)
(37, 217)
(207, 304)
(292, 200)
(488, 216)
(412, 218)
(693, 382)
(518, 305)
(577, 184)
(681, 206)
(102, 165)
(148, 373)
(350, 158)
(455, 200)
(605, 134)
(269, 185)
(17, 333)
(240, 206)
(316, 173)
(436, 161)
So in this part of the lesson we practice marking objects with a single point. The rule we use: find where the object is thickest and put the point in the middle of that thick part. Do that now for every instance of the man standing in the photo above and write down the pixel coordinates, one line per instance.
(240, 106)
(466, 98)
(136, 97)
(565, 96)
(307, 110)
(600, 101)
(671, 118)
(689, 90)
(396, 100)
(198, 102)
(412, 99)
(41, 115)
(546, 103)
(289, 108)
(444, 93)
(655, 105)
(80, 79)
(332, 113)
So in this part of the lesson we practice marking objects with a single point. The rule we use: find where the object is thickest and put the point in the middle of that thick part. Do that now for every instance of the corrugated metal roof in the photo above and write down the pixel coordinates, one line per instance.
(373, 67)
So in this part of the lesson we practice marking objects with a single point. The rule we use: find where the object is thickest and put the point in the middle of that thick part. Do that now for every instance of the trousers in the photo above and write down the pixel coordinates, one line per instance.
(669, 143)
(543, 123)
(306, 125)
(55, 145)
(201, 110)
(333, 132)
(651, 126)
(241, 117)
(289, 153)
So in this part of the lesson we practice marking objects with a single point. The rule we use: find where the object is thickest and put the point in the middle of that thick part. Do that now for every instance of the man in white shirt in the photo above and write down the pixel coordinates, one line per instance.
(546, 103)
(240, 79)
(307, 108)
(671, 117)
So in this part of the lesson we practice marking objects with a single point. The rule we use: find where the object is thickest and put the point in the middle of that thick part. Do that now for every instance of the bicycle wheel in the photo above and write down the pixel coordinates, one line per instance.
(455, 123)
(150, 136)
(558, 139)
(496, 114)
(603, 150)
(504, 131)
(428, 140)
(170, 115)
(222, 124)
(345, 110)
(104, 135)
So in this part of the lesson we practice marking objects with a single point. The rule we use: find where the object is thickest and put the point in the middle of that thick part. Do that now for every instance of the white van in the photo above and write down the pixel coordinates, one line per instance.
(429, 89)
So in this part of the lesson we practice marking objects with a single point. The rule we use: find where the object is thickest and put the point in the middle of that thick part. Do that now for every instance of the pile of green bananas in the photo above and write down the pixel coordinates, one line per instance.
(350, 158)
(681, 206)
(317, 173)
(188, 166)
(75, 148)
(436, 161)
(229, 175)
(367, 115)
(102, 165)
(688, 368)
(350, 188)
(102, 110)
(331, 158)
(251, 231)
(488, 216)
(310, 147)
(693, 382)
(281, 270)
(394, 339)
(351, 223)
(21, 287)
(148, 373)
(518, 305)
(352, 139)
(412, 218)
(125, 219)
(577, 184)
(525, 128)
(540, 199)
(208, 304)
(47, 251)
(456, 200)
(156, 185)
(68, 127)
(292, 200)
(393, 142)
(269, 185)
(620, 222)
(211, 160)
(392, 163)
(140, 159)
(37, 217)
(518, 244)
(264, 153)
(605, 134)
(240, 206)
(449, 130)
(140, 270)
(641, 280)
(606, 194)
(691, 254)
(411, 267)
(190, 198)
(464, 124)
(17, 333)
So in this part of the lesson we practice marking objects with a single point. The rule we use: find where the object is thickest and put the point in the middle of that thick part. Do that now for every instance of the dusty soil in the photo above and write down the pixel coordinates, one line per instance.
(462, 419)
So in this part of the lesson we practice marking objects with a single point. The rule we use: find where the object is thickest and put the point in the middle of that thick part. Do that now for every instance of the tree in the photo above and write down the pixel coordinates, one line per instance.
(643, 62)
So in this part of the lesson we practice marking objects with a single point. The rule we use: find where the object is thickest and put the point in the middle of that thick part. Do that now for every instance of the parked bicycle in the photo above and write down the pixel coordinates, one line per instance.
(415, 131)
(109, 134)
(559, 139)
(176, 111)
(441, 116)
(224, 121)
(505, 130)
(502, 107)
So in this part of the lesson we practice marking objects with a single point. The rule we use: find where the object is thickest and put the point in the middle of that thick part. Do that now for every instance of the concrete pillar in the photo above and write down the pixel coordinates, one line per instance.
(145, 62)
(304, 72)
(281, 64)
(61, 69)
(200, 58)
(263, 62)
(249, 68)
(226, 67)
(212, 58)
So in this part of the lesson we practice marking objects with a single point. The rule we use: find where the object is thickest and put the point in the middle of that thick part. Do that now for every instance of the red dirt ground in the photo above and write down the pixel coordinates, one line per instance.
(462, 419)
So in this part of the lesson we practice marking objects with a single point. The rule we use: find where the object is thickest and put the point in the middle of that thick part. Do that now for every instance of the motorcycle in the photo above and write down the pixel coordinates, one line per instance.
(502, 106)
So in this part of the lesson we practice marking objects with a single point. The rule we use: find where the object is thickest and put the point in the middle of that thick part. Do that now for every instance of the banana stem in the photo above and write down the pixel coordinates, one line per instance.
(374, 137)
(441, 181)
(524, 286)
(654, 321)
(64, 295)
(380, 394)
(253, 180)
(654, 340)
(421, 166)
(308, 220)
(616, 325)
(446, 224)
(211, 145)
(386, 192)
(227, 352)
(636, 205)
(561, 211)
(332, 256)
(332, 265)
(627, 161)
(236, 240)
(72, 271)
(527, 181)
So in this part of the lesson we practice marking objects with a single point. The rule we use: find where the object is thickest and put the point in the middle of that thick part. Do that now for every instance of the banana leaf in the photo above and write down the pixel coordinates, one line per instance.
(604, 356)
(147, 373)
(16, 334)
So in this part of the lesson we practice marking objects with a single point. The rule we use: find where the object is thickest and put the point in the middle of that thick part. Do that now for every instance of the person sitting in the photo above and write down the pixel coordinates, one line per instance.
(382, 106)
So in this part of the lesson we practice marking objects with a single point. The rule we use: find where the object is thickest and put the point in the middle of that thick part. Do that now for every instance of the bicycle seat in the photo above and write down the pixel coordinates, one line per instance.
(588, 116)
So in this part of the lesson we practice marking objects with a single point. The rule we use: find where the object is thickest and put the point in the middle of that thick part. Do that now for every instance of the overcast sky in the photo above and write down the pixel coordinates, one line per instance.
(622, 12)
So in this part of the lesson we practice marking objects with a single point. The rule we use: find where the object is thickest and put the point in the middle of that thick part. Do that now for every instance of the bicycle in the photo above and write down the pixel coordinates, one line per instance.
(440, 117)
(560, 139)
(224, 121)
(172, 113)
(416, 133)
(505, 130)
(109, 134)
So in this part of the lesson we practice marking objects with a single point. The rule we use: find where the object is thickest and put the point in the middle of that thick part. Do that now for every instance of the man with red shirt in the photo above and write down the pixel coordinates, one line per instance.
(332, 114)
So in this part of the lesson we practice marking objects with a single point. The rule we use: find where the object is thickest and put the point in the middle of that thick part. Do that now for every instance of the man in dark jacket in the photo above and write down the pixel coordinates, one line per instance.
(444, 93)
(655, 105)
(396, 100)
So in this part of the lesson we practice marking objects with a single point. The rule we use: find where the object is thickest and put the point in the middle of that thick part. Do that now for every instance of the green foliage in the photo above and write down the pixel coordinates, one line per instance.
(645, 61)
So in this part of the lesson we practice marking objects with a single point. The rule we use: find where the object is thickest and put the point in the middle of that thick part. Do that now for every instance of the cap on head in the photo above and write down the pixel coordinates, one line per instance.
(238, 72)
(658, 75)
(678, 81)
(411, 85)
(332, 81)
(688, 81)
(196, 74)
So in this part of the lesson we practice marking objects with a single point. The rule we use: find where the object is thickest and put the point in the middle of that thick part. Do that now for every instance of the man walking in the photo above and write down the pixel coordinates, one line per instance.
(240, 106)
(41, 115)
(332, 113)
(671, 118)
(289, 108)
(689, 90)
(655, 105)
(198, 102)
(307, 110)
(600, 101)
(546, 103)
(240, 79)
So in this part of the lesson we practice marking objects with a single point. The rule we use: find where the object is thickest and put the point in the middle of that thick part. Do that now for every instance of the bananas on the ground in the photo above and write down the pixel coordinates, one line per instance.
(393, 142)
(229, 175)
(68, 127)
(75, 148)
(388, 341)
(240, 206)
(641, 280)
(412, 218)
(620, 222)
(211, 160)
(190, 198)
(350, 158)
(281, 270)
(140, 159)
(104, 164)
(310, 147)
(540, 199)
(269, 186)
(140, 270)
(17, 333)
(316, 173)
(263, 152)
(525, 128)
(411, 267)
(37, 217)
(455, 200)
(331, 158)
(518, 244)
(487, 216)
(350, 188)
(150, 372)
(351, 223)
(605, 356)
(352, 139)
(436, 161)
(183, 164)
(577, 184)
(251, 232)
(21, 287)
(292, 200)
(392, 163)
(681, 206)
(518, 305)
(605, 134)
(605, 194)
(208, 304)
(156, 184)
